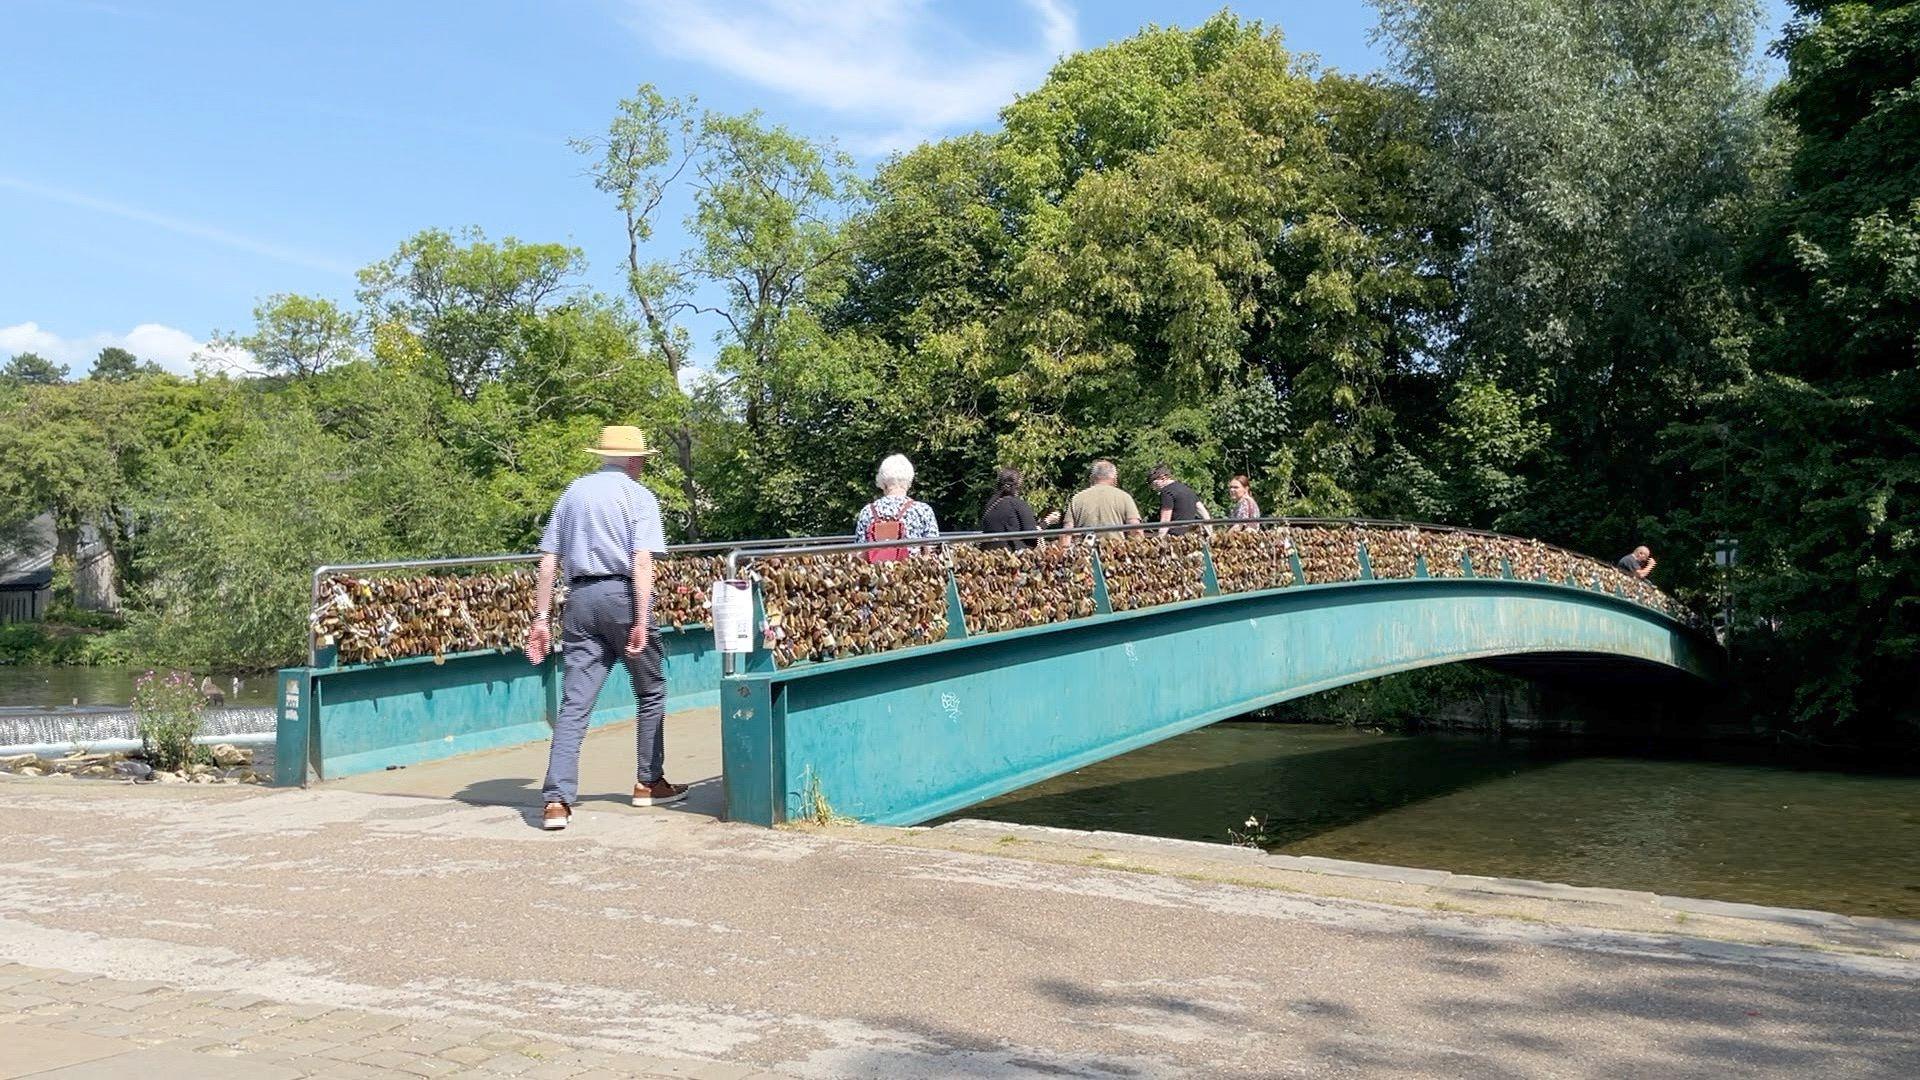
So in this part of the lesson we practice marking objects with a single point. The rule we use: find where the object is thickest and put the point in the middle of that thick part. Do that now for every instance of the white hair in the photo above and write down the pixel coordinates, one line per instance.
(896, 469)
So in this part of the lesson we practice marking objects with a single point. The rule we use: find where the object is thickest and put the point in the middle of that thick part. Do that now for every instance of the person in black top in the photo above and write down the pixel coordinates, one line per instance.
(1639, 562)
(1006, 511)
(1178, 502)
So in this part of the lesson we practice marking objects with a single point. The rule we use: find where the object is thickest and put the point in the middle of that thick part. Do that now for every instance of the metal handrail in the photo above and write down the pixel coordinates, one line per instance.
(326, 570)
(764, 550)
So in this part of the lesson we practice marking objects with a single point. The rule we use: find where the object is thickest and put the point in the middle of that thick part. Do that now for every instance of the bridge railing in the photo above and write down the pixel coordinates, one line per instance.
(824, 601)
(684, 574)
(415, 659)
(827, 602)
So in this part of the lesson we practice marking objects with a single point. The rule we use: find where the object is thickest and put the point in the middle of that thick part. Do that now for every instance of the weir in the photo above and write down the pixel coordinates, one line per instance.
(914, 731)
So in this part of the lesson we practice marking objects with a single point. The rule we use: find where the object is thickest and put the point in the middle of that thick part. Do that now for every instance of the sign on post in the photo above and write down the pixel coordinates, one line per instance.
(733, 616)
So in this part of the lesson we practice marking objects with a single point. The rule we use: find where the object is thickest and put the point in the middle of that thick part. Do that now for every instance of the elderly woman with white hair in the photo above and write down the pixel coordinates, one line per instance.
(894, 516)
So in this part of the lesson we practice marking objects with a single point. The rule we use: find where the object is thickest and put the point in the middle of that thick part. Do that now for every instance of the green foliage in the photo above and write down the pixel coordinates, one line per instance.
(32, 369)
(465, 298)
(167, 711)
(1599, 156)
(115, 364)
(295, 336)
(64, 642)
(1183, 246)
(1817, 444)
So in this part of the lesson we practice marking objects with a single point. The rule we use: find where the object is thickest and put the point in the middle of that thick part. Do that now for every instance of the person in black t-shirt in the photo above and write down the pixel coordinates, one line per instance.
(1178, 502)
(1006, 511)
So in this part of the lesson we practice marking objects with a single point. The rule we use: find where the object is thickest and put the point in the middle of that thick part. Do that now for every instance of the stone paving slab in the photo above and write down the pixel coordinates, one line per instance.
(63, 1032)
(26, 1049)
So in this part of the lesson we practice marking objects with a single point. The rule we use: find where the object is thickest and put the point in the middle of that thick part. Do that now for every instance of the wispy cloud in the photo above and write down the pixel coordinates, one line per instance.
(171, 348)
(895, 71)
(180, 226)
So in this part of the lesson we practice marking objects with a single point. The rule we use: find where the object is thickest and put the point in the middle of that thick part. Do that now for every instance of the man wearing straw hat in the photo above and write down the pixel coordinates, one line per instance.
(602, 535)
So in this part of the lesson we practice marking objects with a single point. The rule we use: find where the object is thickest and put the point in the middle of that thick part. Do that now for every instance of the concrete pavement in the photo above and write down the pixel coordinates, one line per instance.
(651, 936)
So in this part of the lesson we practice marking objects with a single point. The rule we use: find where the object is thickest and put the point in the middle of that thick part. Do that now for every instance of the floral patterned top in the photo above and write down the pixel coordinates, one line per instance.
(1244, 509)
(918, 522)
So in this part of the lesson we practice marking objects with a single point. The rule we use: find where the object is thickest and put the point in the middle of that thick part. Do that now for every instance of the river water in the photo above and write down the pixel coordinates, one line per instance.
(49, 687)
(1550, 810)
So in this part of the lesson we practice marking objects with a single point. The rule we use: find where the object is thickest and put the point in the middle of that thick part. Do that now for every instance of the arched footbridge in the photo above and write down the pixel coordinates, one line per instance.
(895, 692)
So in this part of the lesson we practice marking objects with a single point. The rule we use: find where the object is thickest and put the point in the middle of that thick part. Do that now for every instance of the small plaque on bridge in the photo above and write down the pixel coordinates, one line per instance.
(733, 616)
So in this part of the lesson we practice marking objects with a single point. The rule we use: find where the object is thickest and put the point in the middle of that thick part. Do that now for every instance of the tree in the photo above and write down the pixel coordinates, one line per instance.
(768, 213)
(230, 543)
(297, 336)
(33, 369)
(1185, 245)
(115, 364)
(1601, 158)
(649, 144)
(1818, 443)
(84, 452)
(464, 296)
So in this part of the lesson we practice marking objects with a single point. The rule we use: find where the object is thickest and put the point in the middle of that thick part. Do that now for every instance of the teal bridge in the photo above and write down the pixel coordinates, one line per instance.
(964, 709)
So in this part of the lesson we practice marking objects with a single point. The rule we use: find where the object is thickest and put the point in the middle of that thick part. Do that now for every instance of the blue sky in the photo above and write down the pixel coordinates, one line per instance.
(166, 164)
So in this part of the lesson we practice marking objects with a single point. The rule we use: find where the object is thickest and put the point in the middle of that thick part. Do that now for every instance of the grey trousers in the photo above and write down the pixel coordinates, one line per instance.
(594, 627)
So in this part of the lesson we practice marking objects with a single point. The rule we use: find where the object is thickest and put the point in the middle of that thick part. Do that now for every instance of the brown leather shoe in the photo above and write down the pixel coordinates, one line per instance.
(658, 793)
(557, 816)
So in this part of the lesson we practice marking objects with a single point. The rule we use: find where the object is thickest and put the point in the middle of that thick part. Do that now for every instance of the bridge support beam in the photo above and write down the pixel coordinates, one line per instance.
(899, 738)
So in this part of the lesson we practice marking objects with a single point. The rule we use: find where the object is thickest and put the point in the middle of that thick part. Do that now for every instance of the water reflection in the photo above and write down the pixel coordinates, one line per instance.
(46, 687)
(1548, 810)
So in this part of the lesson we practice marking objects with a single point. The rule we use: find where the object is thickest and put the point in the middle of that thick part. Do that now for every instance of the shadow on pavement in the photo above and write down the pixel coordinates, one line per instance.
(705, 798)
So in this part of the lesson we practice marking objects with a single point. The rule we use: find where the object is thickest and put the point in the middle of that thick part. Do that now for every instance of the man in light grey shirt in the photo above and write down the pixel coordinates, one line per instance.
(602, 535)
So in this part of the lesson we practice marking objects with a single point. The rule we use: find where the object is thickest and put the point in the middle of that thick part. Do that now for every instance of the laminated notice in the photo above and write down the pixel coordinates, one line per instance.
(733, 616)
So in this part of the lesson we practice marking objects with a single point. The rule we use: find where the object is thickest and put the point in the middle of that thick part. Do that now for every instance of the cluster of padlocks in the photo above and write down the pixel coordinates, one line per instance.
(822, 607)
(1328, 553)
(1150, 570)
(1250, 560)
(368, 619)
(1033, 586)
(826, 606)
(683, 589)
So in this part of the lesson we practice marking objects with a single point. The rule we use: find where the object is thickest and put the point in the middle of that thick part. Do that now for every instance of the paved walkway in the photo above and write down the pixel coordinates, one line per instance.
(512, 776)
(71, 1025)
(214, 932)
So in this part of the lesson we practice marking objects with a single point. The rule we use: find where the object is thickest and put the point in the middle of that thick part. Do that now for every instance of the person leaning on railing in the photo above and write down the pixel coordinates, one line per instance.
(1639, 562)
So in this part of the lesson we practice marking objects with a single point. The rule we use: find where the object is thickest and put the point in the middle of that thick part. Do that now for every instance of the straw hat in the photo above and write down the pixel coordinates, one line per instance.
(622, 442)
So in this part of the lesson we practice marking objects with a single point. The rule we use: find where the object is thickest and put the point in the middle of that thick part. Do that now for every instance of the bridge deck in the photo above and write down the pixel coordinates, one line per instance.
(511, 776)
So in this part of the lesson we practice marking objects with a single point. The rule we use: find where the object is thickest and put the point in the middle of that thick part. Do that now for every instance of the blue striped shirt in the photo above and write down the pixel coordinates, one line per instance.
(601, 520)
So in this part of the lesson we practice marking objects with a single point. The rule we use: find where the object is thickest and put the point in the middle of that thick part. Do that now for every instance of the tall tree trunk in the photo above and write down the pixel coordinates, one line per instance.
(66, 555)
(683, 453)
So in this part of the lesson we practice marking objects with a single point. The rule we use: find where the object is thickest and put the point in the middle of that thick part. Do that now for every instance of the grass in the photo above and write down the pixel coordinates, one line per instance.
(814, 807)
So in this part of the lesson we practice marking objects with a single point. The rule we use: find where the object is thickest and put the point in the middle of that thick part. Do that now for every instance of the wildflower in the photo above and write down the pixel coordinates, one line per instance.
(1253, 822)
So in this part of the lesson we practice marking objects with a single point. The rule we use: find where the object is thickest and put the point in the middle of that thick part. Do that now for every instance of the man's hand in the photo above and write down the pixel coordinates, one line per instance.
(539, 642)
(637, 639)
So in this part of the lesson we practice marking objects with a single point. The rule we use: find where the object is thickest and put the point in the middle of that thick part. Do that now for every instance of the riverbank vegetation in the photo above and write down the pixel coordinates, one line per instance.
(1570, 270)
